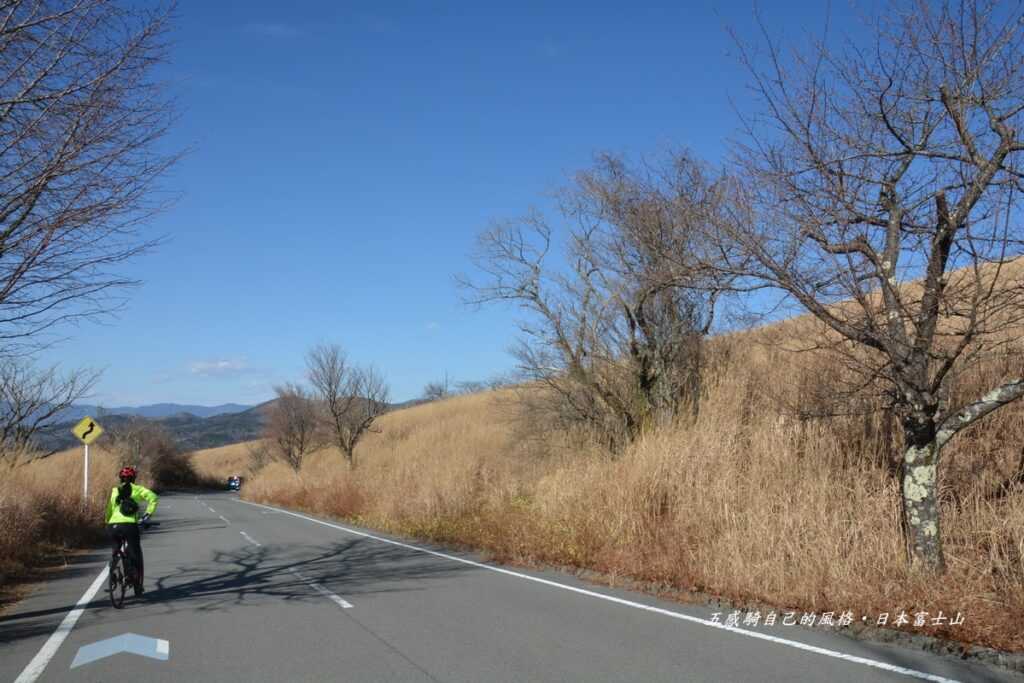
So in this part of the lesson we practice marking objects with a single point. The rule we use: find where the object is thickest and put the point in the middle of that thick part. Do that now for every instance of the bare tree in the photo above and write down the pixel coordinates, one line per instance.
(260, 455)
(80, 121)
(150, 448)
(439, 389)
(292, 425)
(442, 388)
(471, 386)
(880, 188)
(32, 399)
(131, 440)
(500, 381)
(614, 335)
(352, 397)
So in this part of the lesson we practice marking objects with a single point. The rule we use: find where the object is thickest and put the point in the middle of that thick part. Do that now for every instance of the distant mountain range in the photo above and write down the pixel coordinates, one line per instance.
(156, 410)
(193, 427)
(215, 426)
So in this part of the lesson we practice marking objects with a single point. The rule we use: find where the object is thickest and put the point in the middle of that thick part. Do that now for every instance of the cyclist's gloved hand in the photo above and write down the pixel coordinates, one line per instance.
(145, 518)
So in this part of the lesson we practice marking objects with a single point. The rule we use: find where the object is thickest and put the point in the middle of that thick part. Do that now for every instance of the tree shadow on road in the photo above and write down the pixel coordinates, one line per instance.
(259, 575)
(17, 626)
(267, 573)
(173, 525)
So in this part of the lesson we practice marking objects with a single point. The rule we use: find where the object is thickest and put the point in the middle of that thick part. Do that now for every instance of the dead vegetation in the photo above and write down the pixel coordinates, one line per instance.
(748, 500)
(42, 512)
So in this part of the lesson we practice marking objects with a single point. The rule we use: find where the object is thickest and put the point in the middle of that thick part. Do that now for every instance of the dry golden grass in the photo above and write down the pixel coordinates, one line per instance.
(223, 462)
(745, 502)
(41, 506)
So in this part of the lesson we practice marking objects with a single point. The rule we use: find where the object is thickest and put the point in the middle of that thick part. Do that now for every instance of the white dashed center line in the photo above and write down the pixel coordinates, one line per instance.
(250, 539)
(337, 599)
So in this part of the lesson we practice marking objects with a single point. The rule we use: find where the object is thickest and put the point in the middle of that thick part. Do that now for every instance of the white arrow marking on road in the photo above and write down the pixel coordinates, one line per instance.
(132, 643)
(337, 599)
(885, 666)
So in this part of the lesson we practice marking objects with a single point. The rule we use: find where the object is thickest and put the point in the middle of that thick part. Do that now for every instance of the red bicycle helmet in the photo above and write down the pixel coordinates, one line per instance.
(127, 473)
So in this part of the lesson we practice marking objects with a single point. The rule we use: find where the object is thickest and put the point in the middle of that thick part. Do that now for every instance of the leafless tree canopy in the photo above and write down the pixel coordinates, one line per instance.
(292, 425)
(33, 398)
(438, 389)
(80, 117)
(446, 387)
(140, 443)
(887, 177)
(615, 336)
(151, 449)
(351, 397)
(260, 455)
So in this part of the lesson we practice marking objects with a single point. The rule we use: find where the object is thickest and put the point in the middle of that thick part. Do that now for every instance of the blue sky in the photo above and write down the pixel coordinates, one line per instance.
(344, 155)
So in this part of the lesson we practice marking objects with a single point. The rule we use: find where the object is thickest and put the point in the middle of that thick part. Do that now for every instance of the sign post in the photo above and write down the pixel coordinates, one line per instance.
(86, 431)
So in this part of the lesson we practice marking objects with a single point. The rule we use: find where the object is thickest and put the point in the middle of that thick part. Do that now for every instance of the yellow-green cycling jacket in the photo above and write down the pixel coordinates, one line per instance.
(139, 494)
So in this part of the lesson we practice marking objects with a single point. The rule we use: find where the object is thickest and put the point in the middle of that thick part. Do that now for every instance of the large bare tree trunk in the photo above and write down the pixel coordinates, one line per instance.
(879, 188)
(920, 497)
(920, 487)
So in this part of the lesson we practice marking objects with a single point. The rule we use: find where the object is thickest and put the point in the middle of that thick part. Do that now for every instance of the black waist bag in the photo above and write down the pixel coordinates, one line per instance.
(126, 504)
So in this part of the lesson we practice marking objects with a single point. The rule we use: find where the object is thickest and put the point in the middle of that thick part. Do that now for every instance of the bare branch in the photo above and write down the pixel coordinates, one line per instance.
(876, 189)
(81, 117)
(292, 425)
(32, 399)
(352, 397)
(990, 402)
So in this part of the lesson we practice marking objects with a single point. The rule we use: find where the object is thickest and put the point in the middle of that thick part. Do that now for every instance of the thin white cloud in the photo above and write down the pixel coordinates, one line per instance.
(433, 325)
(271, 30)
(218, 368)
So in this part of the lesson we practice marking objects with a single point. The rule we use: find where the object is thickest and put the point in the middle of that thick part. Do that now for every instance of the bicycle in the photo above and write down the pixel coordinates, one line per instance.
(123, 573)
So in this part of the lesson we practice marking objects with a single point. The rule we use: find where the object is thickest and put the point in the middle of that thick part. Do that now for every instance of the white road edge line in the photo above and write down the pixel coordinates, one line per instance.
(913, 673)
(35, 668)
(250, 539)
(337, 599)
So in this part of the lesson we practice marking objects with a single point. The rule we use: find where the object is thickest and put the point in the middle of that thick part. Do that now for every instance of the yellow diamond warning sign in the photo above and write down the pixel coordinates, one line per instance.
(88, 430)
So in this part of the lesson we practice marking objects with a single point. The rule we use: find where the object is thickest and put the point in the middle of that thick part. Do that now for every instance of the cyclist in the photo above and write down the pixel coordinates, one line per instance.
(123, 516)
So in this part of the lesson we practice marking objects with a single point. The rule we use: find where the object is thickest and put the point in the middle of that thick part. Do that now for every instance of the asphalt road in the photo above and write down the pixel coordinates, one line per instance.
(247, 593)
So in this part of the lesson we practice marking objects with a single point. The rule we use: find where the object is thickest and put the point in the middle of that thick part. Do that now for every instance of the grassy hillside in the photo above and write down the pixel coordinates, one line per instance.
(41, 507)
(42, 513)
(746, 501)
(224, 461)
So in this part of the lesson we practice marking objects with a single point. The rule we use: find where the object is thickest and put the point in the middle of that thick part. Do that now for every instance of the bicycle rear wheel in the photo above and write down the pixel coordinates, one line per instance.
(131, 574)
(118, 582)
(136, 582)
